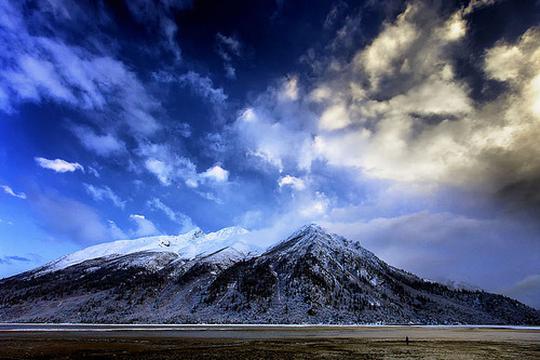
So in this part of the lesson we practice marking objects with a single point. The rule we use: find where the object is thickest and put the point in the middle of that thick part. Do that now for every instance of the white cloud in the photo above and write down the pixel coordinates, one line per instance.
(7, 222)
(292, 181)
(192, 183)
(115, 231)
(93, 171)
(210, 196)
(248, 115)
(104, 145)
(216, 173)
(104, 193)
(384, 56)
(335, 117)
(58, 165)
(144, 226)
(270, 131)
(168, 167)
(171, 168)
(289, 89)
(201, 85)
(37, 77)
(8, 190)
(162, 170)
(399, 112)
(204, 87)
(89, 79)
(314, 207)
(249, 218)
(182, 219)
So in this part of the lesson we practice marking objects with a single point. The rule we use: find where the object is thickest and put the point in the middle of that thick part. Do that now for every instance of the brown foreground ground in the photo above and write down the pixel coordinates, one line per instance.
(263, 343)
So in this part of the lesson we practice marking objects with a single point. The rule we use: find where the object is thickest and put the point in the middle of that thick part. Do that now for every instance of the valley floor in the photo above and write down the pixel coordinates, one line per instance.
(266, 342)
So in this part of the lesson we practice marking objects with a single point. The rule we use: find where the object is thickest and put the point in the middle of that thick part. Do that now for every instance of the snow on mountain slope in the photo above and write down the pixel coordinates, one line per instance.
(192, 244)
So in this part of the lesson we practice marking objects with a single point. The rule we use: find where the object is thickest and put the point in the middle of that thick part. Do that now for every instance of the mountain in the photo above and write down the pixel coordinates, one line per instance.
(311, 277)
(189, 245)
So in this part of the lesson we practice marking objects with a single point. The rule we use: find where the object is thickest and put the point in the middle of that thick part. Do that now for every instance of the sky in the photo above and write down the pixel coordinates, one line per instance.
(411, 127)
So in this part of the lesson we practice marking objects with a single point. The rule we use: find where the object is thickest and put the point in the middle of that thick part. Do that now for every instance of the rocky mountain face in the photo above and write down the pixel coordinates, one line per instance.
(311, 277)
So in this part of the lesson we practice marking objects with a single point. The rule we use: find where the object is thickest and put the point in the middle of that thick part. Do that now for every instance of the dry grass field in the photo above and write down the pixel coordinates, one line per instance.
(273, 343)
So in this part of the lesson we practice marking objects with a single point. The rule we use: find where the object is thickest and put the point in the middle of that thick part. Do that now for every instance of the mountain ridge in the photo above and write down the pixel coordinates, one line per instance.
(190, 244)
(310, 277)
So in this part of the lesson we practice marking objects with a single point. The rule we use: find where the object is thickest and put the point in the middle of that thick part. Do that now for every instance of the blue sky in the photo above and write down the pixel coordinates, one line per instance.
(409, 126)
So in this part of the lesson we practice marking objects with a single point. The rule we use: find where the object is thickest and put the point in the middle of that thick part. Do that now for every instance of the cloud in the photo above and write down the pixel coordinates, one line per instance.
(58, 165)
(85, 78)
(100, 81)
(7, 222)
(227, 48)
(289, 90)
(384, 56)
(208, 195)
(249, 218)
(527, 290)
(231, 43)
(34, 77)
(204, 87)
(216, 173)
(115, 231)
(334, 117)
(270, 131)
(144, 226)
(213, 175)
(13, 258)
(92, 171)
(200, 85)
(171, 168)
(400, 112)
(314, 207)
(103, 145)
(8, 190)
(292, 181)
(168, 170)
(160, 14)
(182, 219)
(166, 164)
(427, 127)
(69, 219)
(445, 246)
(104, 193)
(162, 170)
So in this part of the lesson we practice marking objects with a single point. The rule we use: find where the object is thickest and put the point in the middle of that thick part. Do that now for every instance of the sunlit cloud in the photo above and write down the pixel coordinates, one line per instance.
(58, 165)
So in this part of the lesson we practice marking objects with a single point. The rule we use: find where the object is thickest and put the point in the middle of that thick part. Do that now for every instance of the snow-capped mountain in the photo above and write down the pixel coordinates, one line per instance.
(310, 277)
(192, 244)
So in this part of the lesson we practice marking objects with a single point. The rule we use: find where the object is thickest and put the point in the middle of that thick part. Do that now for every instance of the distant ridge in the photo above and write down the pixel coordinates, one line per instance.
(310, 277)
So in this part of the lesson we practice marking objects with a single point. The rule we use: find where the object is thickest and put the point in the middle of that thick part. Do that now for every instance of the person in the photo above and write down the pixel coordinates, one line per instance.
(407, 340)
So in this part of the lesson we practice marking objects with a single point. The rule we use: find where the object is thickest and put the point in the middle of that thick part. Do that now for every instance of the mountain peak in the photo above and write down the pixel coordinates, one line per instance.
(312, 228)
(308, 235)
